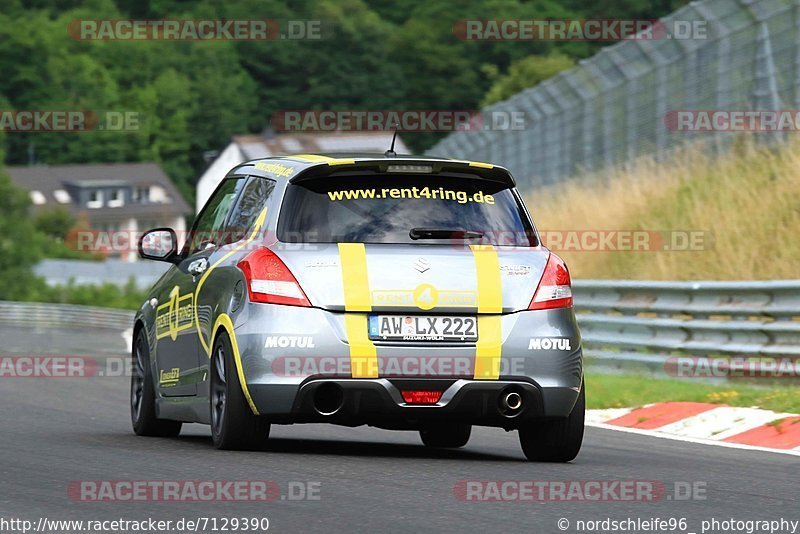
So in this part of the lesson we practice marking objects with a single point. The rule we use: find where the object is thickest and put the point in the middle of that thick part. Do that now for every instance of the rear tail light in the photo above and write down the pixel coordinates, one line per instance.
(270, 281)
(418, 396)
(555, 290)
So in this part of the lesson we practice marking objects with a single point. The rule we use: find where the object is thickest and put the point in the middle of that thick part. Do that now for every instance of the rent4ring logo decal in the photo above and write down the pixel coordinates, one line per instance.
(169, 378)
(278, 169)
(424, 297)
(462, 197)
(175, 315)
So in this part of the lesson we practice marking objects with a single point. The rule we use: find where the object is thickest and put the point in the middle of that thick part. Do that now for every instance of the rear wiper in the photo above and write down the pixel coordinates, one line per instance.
(444, 233)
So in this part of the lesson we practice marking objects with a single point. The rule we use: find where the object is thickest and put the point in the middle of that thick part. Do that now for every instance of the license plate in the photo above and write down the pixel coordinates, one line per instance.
(423, 328)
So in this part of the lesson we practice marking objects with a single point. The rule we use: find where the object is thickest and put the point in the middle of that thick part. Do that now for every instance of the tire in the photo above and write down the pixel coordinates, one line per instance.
(233, 424)
(143, 394)
(446, 437)
(555, 441)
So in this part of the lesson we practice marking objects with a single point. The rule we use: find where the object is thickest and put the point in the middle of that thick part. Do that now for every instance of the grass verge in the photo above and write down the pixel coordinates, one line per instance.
(631, 391)
(745, 206)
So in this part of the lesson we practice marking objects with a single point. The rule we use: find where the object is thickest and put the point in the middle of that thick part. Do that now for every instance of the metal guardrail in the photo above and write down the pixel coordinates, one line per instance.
(60, 272)
(630, 322)
(51, 315)
(622, 322)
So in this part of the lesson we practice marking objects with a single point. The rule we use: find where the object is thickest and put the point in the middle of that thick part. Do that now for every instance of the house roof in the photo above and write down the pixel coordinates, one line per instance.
(261, 146)
(49, 178)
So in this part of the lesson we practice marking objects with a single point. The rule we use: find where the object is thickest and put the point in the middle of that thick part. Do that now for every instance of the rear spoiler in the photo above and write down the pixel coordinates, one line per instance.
(342, 166)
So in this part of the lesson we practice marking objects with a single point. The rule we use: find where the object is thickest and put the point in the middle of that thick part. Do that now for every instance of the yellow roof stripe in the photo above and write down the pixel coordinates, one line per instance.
(316, 158)
(311, 158)
(481, 164)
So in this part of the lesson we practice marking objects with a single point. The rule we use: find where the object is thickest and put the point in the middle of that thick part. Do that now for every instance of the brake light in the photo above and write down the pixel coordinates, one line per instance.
(555, 289)
(270, 281)
(418, 396)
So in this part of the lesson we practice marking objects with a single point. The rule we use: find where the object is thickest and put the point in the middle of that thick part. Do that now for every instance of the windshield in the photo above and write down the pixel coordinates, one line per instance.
(396, 209)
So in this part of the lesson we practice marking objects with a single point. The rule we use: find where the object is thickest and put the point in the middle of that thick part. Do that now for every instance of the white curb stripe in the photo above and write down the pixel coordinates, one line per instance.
(794, 452)
(607, 414)
(720, 423)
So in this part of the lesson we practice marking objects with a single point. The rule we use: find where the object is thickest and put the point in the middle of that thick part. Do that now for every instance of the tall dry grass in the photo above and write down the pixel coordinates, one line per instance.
(747, 203)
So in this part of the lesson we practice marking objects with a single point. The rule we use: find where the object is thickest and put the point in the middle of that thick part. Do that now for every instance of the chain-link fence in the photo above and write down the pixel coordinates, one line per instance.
(613, 107)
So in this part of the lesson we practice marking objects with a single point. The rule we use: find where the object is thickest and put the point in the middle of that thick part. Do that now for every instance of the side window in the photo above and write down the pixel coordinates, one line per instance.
(207, 231)
(254, 197)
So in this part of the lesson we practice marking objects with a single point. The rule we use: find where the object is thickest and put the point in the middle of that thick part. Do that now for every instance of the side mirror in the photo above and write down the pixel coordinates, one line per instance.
(159, 244)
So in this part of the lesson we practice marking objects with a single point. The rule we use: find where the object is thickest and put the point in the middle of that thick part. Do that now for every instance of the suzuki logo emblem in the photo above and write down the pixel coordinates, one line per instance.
(422, 265)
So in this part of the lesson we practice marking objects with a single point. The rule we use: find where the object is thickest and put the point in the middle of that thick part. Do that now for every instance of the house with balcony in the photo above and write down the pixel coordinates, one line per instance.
(114, 198)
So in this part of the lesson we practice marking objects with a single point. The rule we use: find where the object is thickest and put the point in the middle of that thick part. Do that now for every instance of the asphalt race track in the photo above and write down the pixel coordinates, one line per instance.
(61, 430)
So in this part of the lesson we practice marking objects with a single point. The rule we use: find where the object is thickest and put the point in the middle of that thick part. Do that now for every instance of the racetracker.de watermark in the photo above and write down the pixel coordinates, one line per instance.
(743, 120)
(578, 490)
(43, 366)
(388, 366)
(626, 240)
(40, 120)
(196, 30)
(732, 367)
(603, 30)
(409, 120)
(125, 241)
(599, 240)
(192, 491)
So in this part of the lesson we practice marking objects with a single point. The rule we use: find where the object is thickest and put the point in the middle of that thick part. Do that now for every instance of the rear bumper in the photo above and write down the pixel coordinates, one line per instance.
(379, 402)
(288, 352)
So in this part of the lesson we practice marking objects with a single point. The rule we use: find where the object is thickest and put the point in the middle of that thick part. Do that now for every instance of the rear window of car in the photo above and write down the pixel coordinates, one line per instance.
(387, 208)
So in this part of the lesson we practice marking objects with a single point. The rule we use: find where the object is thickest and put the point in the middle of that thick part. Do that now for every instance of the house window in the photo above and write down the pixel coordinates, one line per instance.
(158, 194)
(37, 197)
(62, 196)
(140, 195)
(116, 198)
(95, 199)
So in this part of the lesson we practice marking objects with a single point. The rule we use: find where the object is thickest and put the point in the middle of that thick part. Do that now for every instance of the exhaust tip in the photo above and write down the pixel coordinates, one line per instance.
(513, 401)
(510, 402)
(328, 399)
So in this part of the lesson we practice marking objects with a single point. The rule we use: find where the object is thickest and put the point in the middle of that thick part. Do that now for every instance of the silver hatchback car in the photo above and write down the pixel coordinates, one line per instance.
(405, 293)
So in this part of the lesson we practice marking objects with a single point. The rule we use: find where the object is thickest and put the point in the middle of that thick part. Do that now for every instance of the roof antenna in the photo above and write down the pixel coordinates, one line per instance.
(391, 153)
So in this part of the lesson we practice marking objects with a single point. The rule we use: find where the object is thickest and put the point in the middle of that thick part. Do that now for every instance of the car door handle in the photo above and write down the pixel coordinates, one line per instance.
(198, 267)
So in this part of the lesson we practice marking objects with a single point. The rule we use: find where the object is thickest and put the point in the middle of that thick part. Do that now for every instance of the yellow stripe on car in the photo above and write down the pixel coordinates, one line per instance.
(363, 353)
(226, 323)
(488, 349)
(310, 158)
(316, 158)
(354, 277)
(355, 282)
(256, 229)
(487, 266)
(481, 165)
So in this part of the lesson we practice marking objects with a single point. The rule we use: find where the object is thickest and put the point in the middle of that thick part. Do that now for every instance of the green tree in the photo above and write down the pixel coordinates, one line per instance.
(20, 243)
(191, 97)
(57, 227)
(54, 223)
(525, 73)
